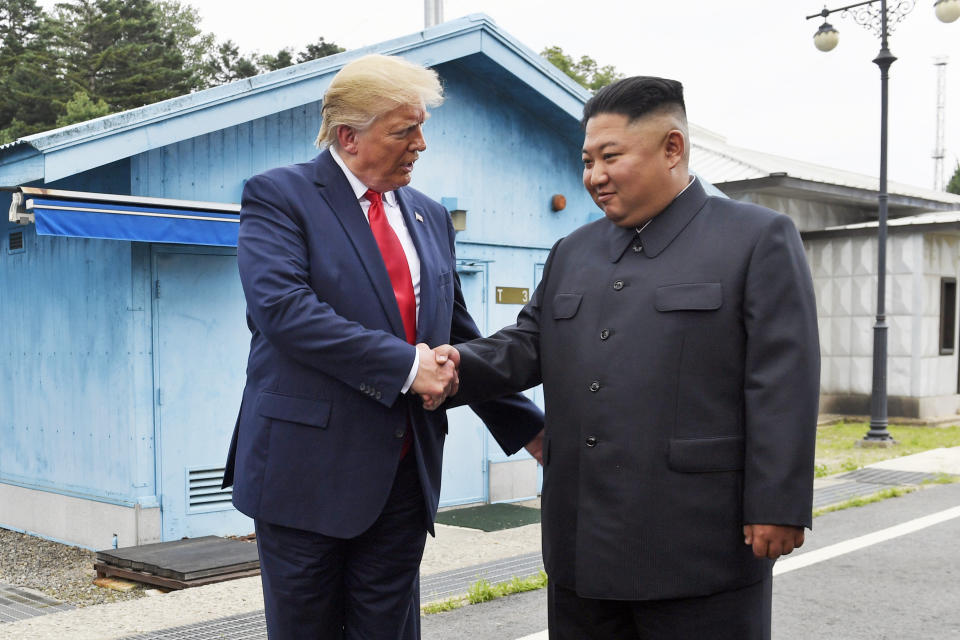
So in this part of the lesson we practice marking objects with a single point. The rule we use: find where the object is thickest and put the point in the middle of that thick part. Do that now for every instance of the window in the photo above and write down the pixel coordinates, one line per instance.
(948, 315)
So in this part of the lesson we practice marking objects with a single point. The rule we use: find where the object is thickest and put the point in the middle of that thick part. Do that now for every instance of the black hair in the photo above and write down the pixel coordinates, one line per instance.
(635, 98)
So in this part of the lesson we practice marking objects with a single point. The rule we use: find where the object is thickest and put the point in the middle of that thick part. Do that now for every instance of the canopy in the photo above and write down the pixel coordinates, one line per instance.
(115, 217)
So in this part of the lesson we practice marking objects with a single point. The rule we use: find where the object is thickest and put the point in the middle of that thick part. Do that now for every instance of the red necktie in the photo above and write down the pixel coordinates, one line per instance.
(397, 267)
(399, 271)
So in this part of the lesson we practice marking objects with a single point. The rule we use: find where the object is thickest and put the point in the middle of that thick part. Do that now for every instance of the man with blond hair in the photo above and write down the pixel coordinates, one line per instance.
(348, 275)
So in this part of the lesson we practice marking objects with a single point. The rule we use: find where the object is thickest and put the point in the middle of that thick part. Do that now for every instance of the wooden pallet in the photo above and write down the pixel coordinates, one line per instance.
(107, 571)
(181, 564)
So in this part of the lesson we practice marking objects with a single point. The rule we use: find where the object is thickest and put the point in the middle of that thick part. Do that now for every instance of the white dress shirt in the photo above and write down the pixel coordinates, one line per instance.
(395, 218)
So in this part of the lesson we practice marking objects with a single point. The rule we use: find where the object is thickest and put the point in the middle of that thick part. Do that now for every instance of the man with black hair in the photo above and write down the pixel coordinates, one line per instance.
(676, 341)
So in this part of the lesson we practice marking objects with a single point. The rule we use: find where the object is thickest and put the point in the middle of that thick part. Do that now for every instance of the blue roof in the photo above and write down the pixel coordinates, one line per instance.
(63, 152)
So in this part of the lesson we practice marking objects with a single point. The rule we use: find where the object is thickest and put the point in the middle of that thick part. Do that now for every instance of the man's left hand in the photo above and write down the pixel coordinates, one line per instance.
(772, 540)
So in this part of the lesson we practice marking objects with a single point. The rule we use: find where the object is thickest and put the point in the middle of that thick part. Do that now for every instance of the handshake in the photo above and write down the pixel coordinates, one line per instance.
(437, 378)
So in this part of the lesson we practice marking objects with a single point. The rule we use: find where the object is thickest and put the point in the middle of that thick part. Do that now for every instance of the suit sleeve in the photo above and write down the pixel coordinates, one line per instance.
(507, 361)
(512, 418)
(781, 380)
(275, 274)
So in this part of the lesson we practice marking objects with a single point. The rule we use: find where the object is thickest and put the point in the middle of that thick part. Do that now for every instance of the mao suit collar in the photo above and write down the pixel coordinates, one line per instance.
(663, 228)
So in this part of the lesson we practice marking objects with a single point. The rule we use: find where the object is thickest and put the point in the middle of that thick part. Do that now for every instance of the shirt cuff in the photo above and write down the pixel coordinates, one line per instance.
(413, 372)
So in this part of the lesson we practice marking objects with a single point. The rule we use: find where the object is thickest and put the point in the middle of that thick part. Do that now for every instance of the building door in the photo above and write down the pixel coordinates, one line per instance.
(200, 345)
(464, 476)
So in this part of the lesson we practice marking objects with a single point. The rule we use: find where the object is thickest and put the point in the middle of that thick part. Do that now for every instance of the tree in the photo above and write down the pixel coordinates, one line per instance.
(585, 71)
(87, 58)
(284, 58)
(954, 185)
(81, 108)
(31, 90)
(181, 22)
(226, 64)
(118, 51)
(20, 22)
(319, 49)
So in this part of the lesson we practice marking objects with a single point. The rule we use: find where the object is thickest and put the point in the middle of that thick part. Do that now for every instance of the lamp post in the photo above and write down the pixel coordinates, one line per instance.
(881, 21)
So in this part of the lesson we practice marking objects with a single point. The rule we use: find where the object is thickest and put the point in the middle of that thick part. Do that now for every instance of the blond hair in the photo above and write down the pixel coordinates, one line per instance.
(371, 86)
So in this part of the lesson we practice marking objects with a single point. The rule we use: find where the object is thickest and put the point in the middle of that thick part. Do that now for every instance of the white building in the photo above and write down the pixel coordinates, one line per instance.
(836, 212)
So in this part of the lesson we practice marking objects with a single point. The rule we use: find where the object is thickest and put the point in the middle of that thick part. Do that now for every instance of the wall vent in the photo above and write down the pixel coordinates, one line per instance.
(15, 242)
(204, 492)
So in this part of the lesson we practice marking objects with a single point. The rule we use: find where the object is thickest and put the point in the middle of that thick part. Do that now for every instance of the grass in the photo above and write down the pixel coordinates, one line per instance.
(837, 453)
(892, 492)
(483, 591)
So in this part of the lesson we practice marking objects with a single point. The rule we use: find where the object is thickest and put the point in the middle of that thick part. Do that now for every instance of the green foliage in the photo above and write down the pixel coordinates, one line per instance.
(892, 492)
(18, 129)
(19, 29)
(444, 605)
(319, 49)
(954, 185)
(31, 93)
(942, 478)
(837, 450)
(181, 22)
(87, 58)
(228, 65)
(118, 51)
(586, 71)
(81, 108)
(480, 591)
(483, 591)
(284, 58)
(849, 465)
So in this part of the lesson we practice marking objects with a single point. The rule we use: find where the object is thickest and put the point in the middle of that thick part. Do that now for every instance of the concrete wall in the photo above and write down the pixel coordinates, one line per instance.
(808, 215)
(920, 381)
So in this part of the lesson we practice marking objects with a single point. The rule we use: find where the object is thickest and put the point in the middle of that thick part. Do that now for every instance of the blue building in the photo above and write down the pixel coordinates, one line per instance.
(124, 342)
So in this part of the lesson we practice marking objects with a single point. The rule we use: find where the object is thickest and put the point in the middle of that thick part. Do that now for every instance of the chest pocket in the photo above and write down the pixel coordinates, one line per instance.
(696, 296)
(565, 305)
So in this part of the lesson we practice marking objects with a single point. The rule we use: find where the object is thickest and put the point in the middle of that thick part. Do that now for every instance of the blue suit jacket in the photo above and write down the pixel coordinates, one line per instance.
(322, 419)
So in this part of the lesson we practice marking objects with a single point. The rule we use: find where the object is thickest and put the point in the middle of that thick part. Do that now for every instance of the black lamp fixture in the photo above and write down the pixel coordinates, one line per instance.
(881, 20)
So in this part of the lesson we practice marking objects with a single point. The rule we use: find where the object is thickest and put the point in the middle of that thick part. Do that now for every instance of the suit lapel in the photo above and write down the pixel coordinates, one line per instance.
(336, 191)
(428, 266)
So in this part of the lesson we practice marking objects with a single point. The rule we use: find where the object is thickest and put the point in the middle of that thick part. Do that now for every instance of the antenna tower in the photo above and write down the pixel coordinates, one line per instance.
(938, 152)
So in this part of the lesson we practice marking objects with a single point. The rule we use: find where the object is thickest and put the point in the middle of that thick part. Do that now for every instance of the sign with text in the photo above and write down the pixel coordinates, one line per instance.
(513, 295)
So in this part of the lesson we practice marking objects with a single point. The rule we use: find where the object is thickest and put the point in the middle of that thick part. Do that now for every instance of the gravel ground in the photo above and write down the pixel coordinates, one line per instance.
(58, 570)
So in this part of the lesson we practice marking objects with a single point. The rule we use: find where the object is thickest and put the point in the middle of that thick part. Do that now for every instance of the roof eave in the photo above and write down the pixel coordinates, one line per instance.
(782, 184)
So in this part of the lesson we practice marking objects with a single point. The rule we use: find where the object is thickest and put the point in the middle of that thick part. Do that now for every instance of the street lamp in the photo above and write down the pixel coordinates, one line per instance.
(881, 21)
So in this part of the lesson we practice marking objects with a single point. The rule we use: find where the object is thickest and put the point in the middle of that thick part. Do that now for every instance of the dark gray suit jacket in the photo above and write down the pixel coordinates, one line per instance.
(681, 378)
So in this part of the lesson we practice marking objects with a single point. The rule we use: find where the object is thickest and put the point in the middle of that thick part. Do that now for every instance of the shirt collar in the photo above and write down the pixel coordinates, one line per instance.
(359, 189)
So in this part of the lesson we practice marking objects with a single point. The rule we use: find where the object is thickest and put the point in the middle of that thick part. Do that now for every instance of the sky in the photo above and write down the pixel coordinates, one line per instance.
(749, 67)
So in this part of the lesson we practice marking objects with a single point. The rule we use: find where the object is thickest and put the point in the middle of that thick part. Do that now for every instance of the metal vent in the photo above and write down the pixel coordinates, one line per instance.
(15, 241)
(204, 490)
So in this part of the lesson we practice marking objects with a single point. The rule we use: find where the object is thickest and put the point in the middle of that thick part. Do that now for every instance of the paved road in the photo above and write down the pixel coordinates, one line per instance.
(902, 583)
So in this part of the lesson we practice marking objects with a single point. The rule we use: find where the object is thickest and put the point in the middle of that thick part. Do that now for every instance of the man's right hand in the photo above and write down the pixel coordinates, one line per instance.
(446, 353)
(436, 378)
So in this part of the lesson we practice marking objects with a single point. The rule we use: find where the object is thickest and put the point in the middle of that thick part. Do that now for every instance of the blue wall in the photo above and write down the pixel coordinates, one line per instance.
(75, 388)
